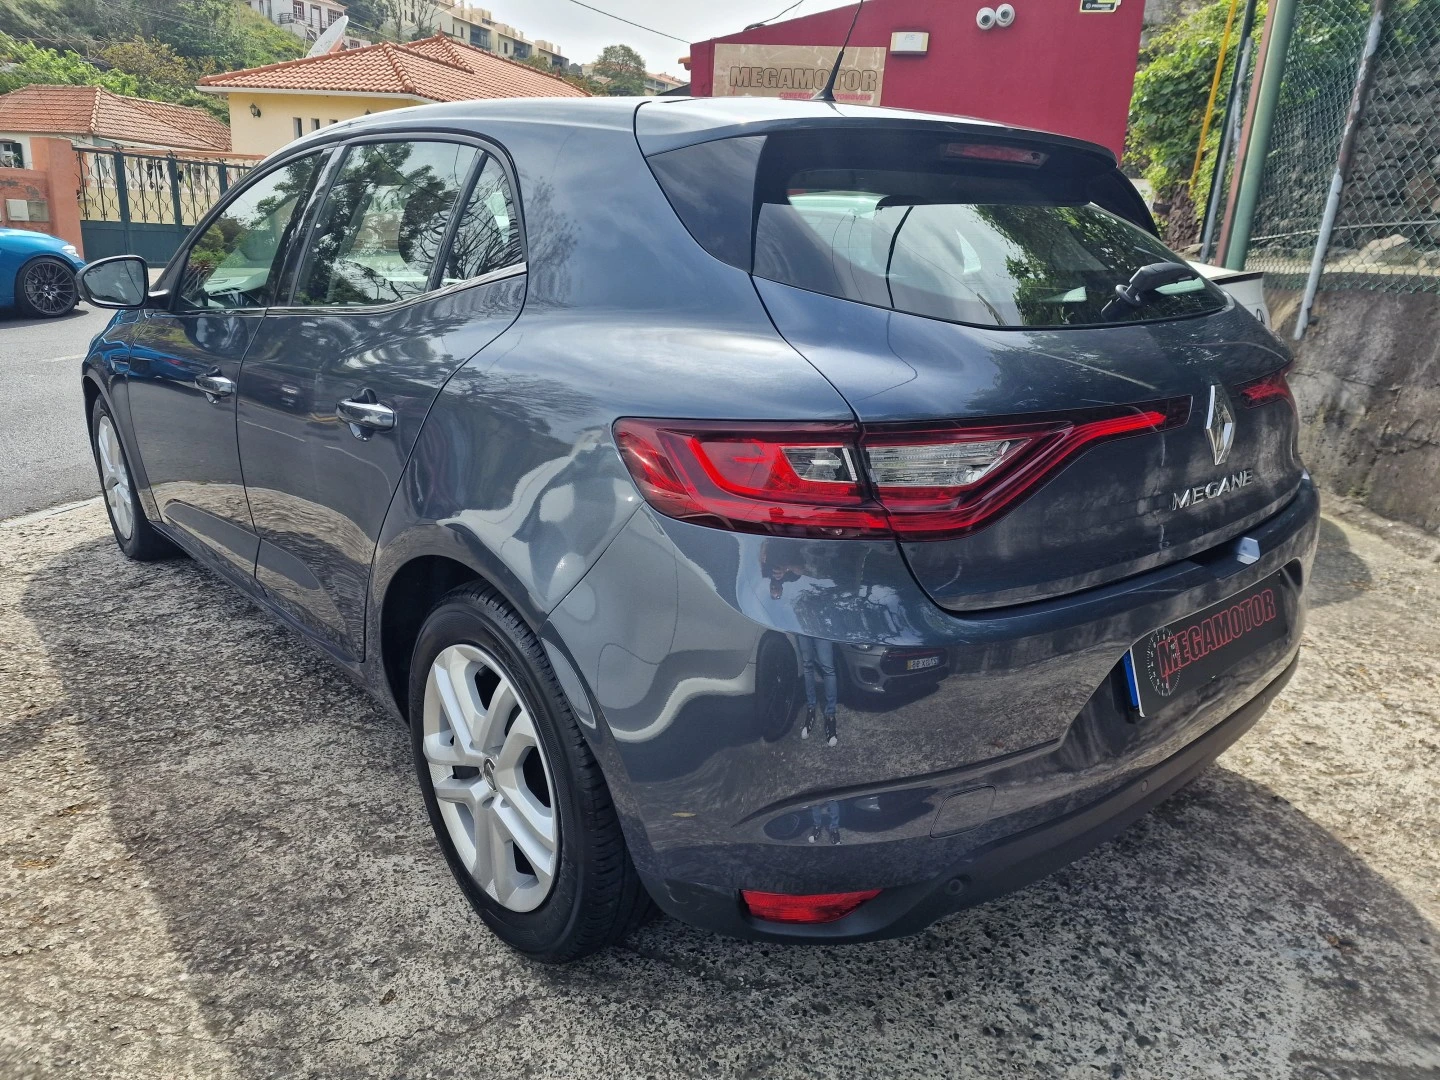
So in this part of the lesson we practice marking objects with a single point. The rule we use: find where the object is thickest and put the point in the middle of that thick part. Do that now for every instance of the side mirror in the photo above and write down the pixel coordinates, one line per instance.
(122, 281)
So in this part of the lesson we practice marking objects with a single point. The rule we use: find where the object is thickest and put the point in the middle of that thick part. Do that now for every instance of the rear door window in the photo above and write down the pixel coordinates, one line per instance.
(378, 235)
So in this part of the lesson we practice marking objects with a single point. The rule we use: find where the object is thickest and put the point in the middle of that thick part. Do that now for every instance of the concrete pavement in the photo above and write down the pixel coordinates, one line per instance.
(216, 864)
(44, 450)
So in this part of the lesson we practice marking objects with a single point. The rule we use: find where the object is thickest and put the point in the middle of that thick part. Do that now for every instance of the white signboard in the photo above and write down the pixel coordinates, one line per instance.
(797, 71)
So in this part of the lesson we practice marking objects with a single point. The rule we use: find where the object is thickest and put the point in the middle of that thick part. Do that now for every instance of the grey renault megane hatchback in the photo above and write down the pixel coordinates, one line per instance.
(811, 519)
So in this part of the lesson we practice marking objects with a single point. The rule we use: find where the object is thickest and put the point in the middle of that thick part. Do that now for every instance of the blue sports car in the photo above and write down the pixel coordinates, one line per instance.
(37, 273)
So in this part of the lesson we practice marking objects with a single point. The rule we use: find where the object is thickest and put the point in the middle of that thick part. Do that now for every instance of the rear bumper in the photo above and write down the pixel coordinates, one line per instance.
(691, 674)
(987, 872)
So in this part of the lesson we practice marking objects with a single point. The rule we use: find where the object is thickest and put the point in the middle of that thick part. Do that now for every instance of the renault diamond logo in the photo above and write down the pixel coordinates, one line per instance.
(1220, 424)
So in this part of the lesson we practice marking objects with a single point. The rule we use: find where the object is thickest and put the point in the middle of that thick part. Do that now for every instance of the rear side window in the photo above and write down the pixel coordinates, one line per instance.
(488, 236)
(378, 235)
(974, 232)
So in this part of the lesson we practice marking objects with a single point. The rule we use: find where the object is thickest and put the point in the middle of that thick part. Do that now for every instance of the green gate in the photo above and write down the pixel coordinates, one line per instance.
(136, 203)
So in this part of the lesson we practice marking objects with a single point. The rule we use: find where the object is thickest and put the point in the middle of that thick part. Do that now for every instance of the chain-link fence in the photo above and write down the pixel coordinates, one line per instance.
(1386, 233)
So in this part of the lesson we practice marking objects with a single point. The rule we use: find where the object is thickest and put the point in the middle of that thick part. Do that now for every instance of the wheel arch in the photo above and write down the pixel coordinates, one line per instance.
(412, 572)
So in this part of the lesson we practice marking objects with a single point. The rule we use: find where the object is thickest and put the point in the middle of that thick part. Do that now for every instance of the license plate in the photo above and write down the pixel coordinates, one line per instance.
(1190, 652)
(920, 663)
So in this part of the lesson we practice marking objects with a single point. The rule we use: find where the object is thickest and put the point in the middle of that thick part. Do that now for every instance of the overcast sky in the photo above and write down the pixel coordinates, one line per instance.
(581, 34)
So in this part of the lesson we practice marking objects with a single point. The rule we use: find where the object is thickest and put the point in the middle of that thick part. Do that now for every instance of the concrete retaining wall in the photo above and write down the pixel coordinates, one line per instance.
(1367, 381)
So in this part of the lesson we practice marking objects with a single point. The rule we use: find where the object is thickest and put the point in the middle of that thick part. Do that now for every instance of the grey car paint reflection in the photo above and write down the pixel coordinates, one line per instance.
(666, 636)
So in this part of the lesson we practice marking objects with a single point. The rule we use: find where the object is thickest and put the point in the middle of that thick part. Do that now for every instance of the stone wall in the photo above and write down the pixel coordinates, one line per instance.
(1367, 382)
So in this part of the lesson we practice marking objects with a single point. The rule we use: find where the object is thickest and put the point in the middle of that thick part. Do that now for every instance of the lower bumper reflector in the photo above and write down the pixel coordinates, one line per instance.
(810, 908)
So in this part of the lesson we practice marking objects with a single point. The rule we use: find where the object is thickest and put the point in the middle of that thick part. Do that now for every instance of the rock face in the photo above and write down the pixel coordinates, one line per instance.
(1367, 382)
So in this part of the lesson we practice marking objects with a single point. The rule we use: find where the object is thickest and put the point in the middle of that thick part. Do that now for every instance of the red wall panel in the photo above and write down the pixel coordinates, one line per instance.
(1056, 68)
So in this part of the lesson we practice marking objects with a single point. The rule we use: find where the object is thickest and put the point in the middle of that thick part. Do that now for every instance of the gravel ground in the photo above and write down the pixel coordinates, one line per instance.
(214, 862)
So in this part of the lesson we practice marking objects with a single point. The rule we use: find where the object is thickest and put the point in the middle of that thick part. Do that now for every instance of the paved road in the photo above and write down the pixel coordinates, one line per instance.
(214, 863)
(44, 456)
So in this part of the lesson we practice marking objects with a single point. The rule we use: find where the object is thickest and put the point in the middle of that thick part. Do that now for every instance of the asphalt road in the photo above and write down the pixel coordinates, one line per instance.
(44, 452)
(214, 863)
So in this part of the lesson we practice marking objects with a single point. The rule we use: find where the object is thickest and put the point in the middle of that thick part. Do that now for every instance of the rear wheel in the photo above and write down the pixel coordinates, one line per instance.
(133, 532)
(45, 288)
(516, 799)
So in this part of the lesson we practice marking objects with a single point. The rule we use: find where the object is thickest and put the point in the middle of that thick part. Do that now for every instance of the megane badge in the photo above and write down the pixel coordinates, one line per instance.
(1220, 424)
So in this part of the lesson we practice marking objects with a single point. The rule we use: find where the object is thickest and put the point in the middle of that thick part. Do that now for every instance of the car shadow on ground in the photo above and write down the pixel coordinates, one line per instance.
(271, 809)
(1339, 574)
(12, 317)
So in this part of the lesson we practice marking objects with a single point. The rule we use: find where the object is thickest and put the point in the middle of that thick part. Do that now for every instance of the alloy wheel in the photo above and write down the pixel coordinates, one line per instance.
(50, 288)
(115, 478)
(491, 777)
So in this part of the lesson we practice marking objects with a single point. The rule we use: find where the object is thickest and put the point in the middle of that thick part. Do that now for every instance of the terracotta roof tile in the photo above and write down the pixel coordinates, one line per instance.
(95, 111)
(435, 69)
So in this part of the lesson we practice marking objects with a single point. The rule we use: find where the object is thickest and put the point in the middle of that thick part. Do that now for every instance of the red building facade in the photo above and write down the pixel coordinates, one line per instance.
(1059, 65)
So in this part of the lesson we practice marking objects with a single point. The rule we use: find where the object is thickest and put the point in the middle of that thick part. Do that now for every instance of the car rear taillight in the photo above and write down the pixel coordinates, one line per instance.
(840, 480)
(810, 908)
(1272, 387)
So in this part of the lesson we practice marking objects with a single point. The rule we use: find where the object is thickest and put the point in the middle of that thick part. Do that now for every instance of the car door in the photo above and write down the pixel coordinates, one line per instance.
(185, 361)
(412, 263)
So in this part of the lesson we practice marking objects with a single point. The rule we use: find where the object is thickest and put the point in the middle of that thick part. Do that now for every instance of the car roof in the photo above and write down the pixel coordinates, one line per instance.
(662, 124)
(668, 123)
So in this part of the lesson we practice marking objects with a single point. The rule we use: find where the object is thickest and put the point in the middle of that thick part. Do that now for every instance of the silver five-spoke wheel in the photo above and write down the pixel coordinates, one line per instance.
(114, 477)
(491, 777)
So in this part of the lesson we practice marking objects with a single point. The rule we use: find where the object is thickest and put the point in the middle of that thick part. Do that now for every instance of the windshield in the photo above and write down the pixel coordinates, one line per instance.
(912, 224)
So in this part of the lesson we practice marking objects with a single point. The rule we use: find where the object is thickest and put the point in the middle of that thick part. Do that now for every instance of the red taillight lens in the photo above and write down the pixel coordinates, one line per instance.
(789, 479)
(812, 908)
(939, 483)
(1272, 387)
(914, 481)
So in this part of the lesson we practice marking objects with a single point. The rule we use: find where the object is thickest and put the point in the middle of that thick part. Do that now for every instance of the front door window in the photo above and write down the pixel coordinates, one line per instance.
(233, 266)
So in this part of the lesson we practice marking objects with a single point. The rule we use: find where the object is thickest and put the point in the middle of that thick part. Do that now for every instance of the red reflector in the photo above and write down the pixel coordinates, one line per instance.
(812, 908)
(1272, 387)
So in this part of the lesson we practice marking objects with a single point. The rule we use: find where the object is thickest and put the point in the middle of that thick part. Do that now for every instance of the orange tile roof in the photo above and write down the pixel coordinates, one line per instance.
(434, 69)
(95, 111)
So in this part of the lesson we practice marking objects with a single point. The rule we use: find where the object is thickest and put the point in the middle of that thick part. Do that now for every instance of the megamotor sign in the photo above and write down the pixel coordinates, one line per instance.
(797, 71)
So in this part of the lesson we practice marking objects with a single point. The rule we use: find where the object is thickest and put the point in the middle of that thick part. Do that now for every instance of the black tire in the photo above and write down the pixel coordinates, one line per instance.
(144, 543)
(45, 288)
(596, 897)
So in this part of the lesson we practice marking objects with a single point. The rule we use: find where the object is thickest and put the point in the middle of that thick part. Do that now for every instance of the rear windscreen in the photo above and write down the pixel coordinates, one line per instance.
(982, 233)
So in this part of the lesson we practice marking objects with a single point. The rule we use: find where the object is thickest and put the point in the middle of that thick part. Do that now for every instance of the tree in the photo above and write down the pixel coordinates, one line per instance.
(620, 70)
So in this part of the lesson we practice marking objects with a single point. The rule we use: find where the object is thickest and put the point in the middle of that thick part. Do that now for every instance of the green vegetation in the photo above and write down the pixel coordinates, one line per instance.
(1168, 106)
(620, 71)
(142, 48)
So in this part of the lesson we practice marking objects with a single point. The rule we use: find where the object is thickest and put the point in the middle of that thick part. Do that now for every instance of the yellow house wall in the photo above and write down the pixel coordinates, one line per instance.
(275, 126)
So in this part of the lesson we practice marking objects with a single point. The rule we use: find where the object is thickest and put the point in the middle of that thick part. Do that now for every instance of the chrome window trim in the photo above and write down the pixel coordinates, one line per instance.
(513, 270)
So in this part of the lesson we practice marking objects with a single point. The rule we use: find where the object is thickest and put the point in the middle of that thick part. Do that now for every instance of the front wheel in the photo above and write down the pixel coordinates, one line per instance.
(133, 532)
(45, 289)
(517, 801)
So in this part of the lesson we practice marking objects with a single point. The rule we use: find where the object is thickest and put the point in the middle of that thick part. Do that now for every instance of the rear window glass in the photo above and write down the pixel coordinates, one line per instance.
(935, 225)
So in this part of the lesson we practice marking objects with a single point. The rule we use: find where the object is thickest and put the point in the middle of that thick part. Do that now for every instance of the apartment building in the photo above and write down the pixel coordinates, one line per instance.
(477, 26)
